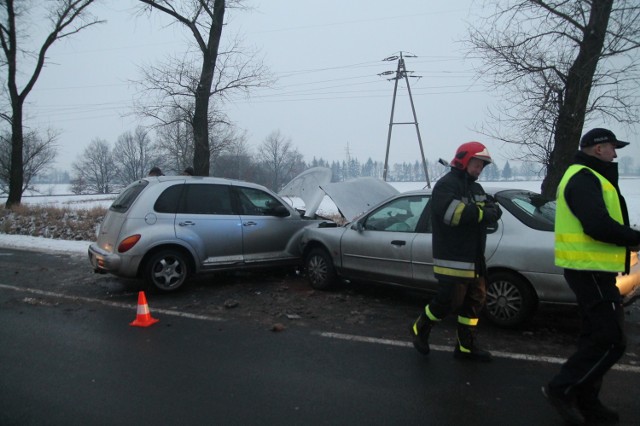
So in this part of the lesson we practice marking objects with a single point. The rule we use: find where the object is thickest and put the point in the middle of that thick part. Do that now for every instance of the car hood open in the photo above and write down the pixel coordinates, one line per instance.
(351, 197)
(306, 186)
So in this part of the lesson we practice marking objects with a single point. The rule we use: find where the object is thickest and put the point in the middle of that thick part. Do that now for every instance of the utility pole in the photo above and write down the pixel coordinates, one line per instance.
(400, 73)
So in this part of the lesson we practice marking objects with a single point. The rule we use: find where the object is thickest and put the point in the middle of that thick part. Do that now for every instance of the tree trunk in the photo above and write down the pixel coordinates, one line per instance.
(201, 154)
(578, 87)
(16, 178)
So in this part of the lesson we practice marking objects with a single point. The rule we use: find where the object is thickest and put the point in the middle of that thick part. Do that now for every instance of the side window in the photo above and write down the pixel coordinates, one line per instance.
(530, 208)
(399, 215)
(256, 202)
(426, 221)
(168, 201)
(206, 199)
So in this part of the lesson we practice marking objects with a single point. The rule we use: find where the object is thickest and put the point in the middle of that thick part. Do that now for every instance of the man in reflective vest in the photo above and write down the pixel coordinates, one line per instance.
(593, 242)
(460, 214)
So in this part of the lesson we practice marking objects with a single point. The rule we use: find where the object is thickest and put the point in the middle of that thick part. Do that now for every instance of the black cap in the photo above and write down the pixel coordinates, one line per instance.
(596, 136)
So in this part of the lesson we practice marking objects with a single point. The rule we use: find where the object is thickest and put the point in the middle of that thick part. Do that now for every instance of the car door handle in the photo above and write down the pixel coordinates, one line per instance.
(398, 243)
(250, 223)
(187, 223)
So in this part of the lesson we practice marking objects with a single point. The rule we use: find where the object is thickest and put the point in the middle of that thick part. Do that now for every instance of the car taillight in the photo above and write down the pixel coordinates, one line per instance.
(128, 243)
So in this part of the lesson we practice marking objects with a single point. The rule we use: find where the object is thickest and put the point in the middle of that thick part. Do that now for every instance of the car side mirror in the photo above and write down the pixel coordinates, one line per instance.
(279, 211)
(358, 226)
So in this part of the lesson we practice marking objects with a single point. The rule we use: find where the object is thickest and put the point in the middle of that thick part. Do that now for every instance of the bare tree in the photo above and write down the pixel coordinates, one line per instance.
(67, 17)
(223, 137)
(134, 154)
(175, 141)
(558, 64)
(235, 161)
(281, 161)
(96, 168)
(38, 154)
(188, 83)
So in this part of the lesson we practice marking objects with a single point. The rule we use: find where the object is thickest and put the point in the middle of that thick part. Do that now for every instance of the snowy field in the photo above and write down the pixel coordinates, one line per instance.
(60, 196)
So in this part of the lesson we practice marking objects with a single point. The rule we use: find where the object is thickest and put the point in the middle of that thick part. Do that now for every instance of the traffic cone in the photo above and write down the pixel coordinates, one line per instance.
(143, 318)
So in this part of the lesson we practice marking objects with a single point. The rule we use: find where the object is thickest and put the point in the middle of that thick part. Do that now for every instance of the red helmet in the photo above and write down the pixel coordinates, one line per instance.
(470, 150)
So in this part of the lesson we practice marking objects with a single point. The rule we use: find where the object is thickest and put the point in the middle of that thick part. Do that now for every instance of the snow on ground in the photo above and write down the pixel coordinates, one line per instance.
(24, 242)
(630, 189)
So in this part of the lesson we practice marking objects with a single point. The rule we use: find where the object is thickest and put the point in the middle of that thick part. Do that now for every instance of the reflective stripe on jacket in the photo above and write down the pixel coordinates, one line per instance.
(452, 268)
(573, 248)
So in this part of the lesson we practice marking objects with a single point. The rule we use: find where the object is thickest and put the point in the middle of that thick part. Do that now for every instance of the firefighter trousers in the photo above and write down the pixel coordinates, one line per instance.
(464, 298)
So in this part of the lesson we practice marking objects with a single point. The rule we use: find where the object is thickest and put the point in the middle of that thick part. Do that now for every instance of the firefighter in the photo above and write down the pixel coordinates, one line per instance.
(593, 242)
(460, 212)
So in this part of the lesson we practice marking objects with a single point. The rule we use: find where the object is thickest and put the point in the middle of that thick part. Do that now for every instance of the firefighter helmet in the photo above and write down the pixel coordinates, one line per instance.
(470, 150)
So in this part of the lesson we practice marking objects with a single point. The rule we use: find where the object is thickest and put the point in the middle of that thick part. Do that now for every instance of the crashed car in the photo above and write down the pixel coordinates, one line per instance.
(391, 243)
(166, 229)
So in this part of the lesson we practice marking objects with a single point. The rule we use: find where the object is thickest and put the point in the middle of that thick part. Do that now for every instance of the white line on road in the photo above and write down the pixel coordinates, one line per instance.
(351, 337)
(107, 303)
(498, 354)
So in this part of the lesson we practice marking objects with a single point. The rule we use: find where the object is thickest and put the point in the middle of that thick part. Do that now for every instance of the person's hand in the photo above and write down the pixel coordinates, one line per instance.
(491, 213)
(498, 209)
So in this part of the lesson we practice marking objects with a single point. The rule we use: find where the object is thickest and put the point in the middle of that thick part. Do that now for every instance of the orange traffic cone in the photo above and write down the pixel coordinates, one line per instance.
(143, 318)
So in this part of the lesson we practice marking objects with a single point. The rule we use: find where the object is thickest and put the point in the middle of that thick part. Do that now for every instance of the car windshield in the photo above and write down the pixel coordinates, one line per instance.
(530, 208)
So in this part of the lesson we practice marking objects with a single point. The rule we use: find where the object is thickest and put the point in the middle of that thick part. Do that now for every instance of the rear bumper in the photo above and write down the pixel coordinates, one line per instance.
(103, 261)
(114, 263)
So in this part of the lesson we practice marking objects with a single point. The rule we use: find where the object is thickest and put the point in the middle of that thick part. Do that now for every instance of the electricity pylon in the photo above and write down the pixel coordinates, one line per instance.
(400, 73)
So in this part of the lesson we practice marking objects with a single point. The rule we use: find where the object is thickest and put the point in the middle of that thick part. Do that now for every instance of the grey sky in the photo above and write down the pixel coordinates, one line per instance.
(329, 99)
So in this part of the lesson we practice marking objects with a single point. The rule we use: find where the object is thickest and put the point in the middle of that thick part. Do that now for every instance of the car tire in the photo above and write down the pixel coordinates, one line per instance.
(510, 299)
(320, 270)
(166, 271)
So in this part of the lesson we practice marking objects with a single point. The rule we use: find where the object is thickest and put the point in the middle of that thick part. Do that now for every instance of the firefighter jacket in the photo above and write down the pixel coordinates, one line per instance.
(592, 222)
(459, 232)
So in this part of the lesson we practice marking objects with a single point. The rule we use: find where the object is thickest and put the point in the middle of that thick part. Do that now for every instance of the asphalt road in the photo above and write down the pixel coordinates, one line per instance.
(68, 356)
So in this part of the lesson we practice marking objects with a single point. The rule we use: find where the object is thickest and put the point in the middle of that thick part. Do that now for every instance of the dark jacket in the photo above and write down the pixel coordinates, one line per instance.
(584, 197)
(464, 239)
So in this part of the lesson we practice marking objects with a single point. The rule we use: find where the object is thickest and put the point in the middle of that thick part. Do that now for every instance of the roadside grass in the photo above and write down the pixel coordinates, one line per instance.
(51, 222)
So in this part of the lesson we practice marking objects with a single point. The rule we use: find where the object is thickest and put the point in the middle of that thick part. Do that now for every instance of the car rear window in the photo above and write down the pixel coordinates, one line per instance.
(126, 198)
(530, 208)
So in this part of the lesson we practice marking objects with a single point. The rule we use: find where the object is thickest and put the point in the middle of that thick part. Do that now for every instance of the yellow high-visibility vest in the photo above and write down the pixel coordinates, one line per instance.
(576, 250)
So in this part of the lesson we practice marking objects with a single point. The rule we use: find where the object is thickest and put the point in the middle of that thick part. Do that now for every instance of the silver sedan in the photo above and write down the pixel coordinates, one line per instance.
(391, 243)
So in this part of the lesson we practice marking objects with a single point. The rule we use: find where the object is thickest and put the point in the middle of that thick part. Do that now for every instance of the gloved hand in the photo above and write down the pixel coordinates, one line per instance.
(491, 212)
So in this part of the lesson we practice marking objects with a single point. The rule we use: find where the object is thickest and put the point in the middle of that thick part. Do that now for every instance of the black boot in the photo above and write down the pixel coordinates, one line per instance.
(589, 404)
(598, 413)
(466, 347)
(420, 331)
(565, 406)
